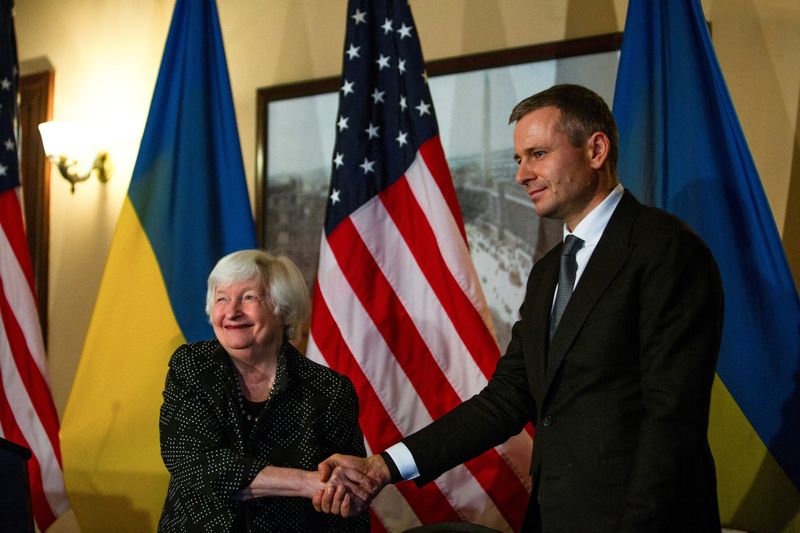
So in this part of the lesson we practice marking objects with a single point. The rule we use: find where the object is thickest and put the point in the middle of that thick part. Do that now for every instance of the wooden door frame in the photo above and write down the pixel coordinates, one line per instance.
(36, 106)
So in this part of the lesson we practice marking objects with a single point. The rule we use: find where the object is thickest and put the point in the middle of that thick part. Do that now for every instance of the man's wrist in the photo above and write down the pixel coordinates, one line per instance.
(403, 460)
(394, 472)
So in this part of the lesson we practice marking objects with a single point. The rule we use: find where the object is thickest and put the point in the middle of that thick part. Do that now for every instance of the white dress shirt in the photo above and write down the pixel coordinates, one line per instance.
(589, 230)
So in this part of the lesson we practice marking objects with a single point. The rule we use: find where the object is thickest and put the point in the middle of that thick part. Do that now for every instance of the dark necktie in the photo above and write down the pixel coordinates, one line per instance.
(566, 279)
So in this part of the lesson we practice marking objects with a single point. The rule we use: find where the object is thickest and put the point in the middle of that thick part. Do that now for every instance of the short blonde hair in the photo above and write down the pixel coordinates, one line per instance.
(282, 281)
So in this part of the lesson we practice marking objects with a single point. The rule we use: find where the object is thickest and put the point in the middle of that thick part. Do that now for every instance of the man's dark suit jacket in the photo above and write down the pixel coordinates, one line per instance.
(621, 408)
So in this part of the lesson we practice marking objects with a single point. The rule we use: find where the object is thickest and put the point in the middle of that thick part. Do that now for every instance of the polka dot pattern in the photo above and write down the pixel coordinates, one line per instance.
(312, 413)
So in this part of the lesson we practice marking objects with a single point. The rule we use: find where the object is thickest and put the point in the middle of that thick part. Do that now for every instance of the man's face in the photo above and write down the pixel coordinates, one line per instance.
(558, 177)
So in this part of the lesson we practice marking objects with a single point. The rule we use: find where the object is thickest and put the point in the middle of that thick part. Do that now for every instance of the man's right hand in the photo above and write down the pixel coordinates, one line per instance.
(356, 476)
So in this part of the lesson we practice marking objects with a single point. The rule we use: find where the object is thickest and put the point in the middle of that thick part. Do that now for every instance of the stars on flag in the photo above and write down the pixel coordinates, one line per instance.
(379, 129)
(367, 166)
(423, 108)
(383, 62)
(359, 17)
(377, 96)
(372, 131)
(347, 88)
(9, 164)
(404, 31)
(402, 139)
(352, 52)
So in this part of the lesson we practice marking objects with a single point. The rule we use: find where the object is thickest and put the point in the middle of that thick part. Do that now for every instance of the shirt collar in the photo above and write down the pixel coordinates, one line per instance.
(591, 228)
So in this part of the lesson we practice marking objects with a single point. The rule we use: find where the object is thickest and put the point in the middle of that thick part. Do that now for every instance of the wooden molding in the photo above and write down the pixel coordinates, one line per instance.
(36, 106)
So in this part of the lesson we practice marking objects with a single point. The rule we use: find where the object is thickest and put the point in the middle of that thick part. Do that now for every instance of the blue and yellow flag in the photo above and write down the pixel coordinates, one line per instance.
(682, 149)
(186, 207)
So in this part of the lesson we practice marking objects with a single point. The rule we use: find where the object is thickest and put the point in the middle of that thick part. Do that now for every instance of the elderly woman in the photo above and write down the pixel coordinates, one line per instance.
(246, 418)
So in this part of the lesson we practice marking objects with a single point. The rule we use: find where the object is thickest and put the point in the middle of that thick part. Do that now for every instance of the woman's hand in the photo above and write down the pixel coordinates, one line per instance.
(339, 500)
(352, 482)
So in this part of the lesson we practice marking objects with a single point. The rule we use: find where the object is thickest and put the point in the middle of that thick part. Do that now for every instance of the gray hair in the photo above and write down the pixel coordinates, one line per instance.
(280, 278)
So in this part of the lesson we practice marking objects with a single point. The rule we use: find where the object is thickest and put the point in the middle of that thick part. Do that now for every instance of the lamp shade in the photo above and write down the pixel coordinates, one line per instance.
(66, 139)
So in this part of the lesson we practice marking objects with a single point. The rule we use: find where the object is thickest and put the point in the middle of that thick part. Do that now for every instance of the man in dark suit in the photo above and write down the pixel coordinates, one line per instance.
(616, 376)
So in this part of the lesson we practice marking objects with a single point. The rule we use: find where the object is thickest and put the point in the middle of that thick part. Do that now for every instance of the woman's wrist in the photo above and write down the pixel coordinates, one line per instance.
(309, 483)
(280, 481)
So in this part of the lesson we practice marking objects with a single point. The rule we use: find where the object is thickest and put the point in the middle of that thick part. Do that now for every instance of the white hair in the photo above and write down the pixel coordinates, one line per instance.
(282, 281)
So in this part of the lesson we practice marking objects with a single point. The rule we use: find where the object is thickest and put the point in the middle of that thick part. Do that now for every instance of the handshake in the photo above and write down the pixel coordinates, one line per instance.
(343, 484)
(350, 483)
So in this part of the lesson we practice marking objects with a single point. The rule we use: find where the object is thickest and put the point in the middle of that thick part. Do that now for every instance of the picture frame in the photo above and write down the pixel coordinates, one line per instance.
(473, 96)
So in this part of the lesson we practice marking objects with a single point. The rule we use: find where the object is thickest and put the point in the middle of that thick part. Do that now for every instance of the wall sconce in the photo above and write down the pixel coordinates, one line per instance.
(69, 147)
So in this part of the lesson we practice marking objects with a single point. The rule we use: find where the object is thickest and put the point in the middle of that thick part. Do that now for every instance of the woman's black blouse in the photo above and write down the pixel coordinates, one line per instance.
(211, 454)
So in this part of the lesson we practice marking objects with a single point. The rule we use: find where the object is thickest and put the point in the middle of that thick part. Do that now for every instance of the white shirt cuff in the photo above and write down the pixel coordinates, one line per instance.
(403, 460)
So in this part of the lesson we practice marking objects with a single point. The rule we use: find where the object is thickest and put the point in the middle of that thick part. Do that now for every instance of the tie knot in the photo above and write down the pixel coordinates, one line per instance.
(571, 245)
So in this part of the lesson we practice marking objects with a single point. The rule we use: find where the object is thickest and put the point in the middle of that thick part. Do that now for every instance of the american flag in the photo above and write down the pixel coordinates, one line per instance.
(397, 303)
(27, 414)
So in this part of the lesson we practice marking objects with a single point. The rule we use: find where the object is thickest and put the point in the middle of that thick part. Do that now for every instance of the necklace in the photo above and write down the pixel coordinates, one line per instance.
(251, 411)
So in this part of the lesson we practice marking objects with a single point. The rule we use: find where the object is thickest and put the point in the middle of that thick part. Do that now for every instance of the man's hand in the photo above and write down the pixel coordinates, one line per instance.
(352, 482)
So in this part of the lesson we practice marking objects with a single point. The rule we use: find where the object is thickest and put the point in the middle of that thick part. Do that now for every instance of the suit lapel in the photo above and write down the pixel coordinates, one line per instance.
(542, 288)
(607, 259)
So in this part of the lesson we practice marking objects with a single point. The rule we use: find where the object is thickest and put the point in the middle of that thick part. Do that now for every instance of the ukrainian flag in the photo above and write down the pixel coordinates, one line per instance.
(186, 207)
(682, 149)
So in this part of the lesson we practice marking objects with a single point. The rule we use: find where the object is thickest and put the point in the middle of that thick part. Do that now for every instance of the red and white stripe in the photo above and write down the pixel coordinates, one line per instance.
(398, 309)
(27, 414)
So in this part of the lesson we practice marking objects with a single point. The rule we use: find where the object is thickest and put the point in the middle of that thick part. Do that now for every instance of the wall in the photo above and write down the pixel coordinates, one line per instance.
(106, 55)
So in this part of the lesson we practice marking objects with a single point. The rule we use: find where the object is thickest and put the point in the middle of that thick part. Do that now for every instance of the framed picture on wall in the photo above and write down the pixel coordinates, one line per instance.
(473, 97)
